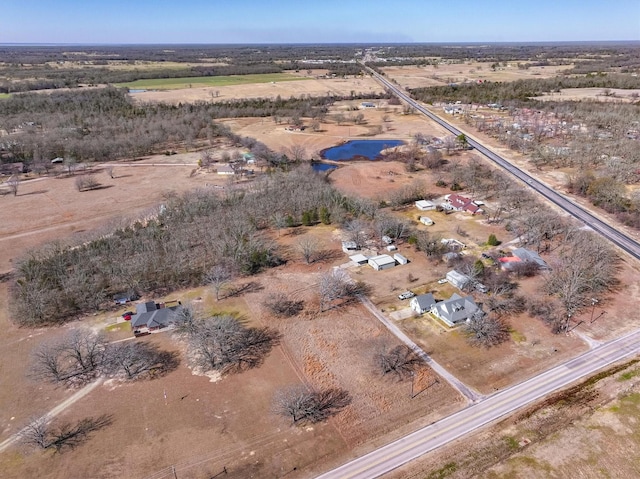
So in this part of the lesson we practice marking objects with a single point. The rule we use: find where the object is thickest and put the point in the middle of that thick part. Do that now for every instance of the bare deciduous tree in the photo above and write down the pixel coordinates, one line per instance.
(336, 285)
(184, 320)
(40, 433)
(86, 182)
(586, 266)
(308, 248)
(74, 359)
(136, 360)
(219, 276)
(400, 360)
(309, 406)
(109, 171)
(223, 344)
(486, 330)
(280, 305)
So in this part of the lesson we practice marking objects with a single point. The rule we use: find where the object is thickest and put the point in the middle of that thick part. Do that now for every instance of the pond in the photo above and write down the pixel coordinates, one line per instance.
(359, 150)
(320, 167)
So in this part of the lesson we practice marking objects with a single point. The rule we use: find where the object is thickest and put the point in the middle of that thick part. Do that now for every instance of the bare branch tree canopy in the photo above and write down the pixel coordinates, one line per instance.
(504, 306)
(86, 182)
(136, 360)
(310, 406)
(219, 276)
(400, 360)
(280, 305)
(74, 359)
(82, 355)
(486, 330)
(308, 248)
(587, 266)
(40, 433)
(358, 231)
(336, 285)
(184, 320)
(223, 344)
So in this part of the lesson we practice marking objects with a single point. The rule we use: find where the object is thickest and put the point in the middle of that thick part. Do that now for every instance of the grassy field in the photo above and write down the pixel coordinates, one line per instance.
(177, 83)
(4, 95)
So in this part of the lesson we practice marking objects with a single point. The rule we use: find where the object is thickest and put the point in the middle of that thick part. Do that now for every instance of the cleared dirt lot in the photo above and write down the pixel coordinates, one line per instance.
(416, 77)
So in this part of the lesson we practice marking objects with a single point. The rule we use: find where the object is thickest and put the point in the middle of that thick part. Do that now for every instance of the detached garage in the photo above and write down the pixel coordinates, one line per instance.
(383, 261)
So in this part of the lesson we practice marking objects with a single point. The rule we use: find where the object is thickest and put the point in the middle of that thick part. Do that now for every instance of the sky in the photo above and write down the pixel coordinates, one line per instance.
(327, 21)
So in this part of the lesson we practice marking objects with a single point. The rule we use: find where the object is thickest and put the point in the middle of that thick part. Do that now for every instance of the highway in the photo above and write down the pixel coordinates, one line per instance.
(620, 239)
(397, 453)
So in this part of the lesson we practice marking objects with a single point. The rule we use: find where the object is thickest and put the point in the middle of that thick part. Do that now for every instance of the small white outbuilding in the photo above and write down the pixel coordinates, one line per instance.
(380, 262)
(400, 258)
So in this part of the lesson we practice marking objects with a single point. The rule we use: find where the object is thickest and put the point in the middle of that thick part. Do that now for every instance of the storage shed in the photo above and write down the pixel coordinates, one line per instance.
(383, 261)
(400, 259)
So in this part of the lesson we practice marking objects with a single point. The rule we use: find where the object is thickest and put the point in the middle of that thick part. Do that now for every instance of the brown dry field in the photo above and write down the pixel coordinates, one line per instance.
(309, 86)
(416, 77)
(593, 437)
(51, 208)
(617, 95)
(203, 427)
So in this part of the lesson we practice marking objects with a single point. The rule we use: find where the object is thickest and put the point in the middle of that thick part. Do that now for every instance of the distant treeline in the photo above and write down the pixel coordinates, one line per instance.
(33, 55)
(520, 90)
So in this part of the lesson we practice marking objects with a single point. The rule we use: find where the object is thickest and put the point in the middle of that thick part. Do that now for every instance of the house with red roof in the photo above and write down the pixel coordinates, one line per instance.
(461, 203)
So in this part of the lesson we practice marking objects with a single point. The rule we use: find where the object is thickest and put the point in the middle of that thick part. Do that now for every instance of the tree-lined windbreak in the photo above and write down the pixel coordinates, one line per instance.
(174, 248)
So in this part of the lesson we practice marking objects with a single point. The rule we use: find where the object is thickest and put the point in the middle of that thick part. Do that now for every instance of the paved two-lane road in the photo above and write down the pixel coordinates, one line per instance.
(399, 452)
(620, 239)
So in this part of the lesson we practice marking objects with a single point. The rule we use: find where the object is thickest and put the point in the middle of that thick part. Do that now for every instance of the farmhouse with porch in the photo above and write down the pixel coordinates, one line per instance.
(151, 316)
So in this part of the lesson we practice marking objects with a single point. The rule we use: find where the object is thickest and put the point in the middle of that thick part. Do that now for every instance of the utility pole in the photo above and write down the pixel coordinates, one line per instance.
(173, 469)
(594, 301)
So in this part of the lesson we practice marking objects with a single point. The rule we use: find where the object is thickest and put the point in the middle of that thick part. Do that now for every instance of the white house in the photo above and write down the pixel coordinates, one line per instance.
(459, 280)
(383, 261)
(400, 259)
(225, 170)
(424, 205)
(422, 303)
(425, 220)
(455, 310)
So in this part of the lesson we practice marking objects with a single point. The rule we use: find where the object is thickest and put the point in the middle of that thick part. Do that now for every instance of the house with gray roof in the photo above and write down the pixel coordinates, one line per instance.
(152, 316)
(422, 303)
(455, 309)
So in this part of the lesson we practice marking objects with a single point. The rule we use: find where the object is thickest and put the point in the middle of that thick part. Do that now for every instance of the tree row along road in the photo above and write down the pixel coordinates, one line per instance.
(618, 238)
(407, 448)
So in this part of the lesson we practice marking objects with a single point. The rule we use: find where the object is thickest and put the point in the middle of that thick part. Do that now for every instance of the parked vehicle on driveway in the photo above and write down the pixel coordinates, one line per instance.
(406, 295)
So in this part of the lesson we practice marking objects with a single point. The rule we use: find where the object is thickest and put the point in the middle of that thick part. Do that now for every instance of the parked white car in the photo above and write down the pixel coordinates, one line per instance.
(406, 295)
